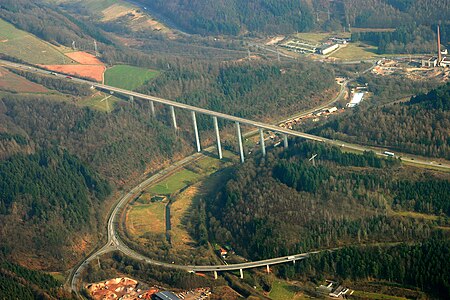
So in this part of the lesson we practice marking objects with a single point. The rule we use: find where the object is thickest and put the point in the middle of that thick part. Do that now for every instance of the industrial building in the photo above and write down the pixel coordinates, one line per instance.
(166, 295)
(430, 62)
(327, 49)
(438, 61)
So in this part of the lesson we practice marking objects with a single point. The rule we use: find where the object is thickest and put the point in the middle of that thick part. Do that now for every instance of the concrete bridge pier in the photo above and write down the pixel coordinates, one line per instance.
(268, 269)
(285, 139)
(174, 119)
(239, 137)
(242, 273)
(216, 128)
(215, 275)
(261, 141)
(152, 109)
(197, 138)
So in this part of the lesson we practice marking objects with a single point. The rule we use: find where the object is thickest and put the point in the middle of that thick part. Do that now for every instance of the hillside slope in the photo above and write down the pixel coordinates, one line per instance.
(420, 126)
(267, 16)
(283, 204)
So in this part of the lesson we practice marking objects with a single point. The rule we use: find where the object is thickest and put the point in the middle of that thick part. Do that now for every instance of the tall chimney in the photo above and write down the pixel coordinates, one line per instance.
(439, 45)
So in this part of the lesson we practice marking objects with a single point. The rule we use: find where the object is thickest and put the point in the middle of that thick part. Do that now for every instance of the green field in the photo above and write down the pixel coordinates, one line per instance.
(145, 218)
(355, 51)
(27, 47)
(103, 102)
(174, 183)
(283, 291)
(128, 77)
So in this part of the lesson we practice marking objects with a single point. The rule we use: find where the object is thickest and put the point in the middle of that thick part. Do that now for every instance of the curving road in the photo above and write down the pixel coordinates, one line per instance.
(115, 243)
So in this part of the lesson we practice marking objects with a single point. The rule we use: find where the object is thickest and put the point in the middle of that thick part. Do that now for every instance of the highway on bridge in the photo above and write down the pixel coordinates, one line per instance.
(417, 161)
(115, 243)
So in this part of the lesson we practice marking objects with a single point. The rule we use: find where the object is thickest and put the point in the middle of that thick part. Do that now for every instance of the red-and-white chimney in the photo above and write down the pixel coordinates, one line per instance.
(439, 45)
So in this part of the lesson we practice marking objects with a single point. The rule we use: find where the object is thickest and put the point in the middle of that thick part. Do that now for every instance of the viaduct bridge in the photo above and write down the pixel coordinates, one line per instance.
(215, 116)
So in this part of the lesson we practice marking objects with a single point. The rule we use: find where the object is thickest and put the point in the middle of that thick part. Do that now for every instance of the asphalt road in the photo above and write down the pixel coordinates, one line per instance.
(418, 161)
(114, 242)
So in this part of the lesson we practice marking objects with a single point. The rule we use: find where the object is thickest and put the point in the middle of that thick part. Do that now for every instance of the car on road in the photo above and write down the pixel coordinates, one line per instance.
(69, 77)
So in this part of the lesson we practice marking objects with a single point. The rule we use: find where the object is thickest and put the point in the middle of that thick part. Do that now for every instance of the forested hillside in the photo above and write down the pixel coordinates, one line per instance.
(283, 204)
(246, 89)
(422, 265)
(409, 38)
(44, 198)
(420, 126)
(267, 16)
(17, 282)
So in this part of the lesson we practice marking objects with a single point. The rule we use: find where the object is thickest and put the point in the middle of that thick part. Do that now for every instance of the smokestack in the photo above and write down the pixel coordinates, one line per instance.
(439, 45)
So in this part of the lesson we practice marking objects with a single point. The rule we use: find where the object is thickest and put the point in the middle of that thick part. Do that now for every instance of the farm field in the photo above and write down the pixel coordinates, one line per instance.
(186, 187)
(27, 47)
(84, 58)
(14, 83)
(355, 51)
(284, 291)
(143, 218)
(174, 183)
(128, 77)
(94, 72)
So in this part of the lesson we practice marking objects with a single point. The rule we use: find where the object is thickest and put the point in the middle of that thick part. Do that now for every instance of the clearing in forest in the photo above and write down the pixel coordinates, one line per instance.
(282, 290)
(100, 101)
(128, 77)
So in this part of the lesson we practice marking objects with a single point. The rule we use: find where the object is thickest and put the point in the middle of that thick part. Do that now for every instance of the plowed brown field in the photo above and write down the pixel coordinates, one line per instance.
(14, 83)
(84, 58)
(94, 72)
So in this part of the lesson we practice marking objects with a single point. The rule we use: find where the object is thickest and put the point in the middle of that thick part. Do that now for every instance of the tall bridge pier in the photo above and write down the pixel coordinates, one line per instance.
(261, 141)
(197, 138)
(174, 118)
(193, 110)
(239, 137)
(152, 109)
(216, 128)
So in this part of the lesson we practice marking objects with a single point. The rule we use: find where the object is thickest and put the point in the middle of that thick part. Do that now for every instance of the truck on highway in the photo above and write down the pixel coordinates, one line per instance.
(391, 154)
(291, 257)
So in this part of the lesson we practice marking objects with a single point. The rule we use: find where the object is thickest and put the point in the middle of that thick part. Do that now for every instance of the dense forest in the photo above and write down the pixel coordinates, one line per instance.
(45, 197)
(246, 89)
(266, 16)
(17, 282)
(283, 204)
(409, 38)
(419, 126)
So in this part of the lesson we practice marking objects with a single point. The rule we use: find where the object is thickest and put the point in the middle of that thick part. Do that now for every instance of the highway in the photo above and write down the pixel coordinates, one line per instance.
(115, 243)
(418, 161)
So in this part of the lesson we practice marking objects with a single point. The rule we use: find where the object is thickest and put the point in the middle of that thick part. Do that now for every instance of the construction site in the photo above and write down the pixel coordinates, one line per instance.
(122, 288)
